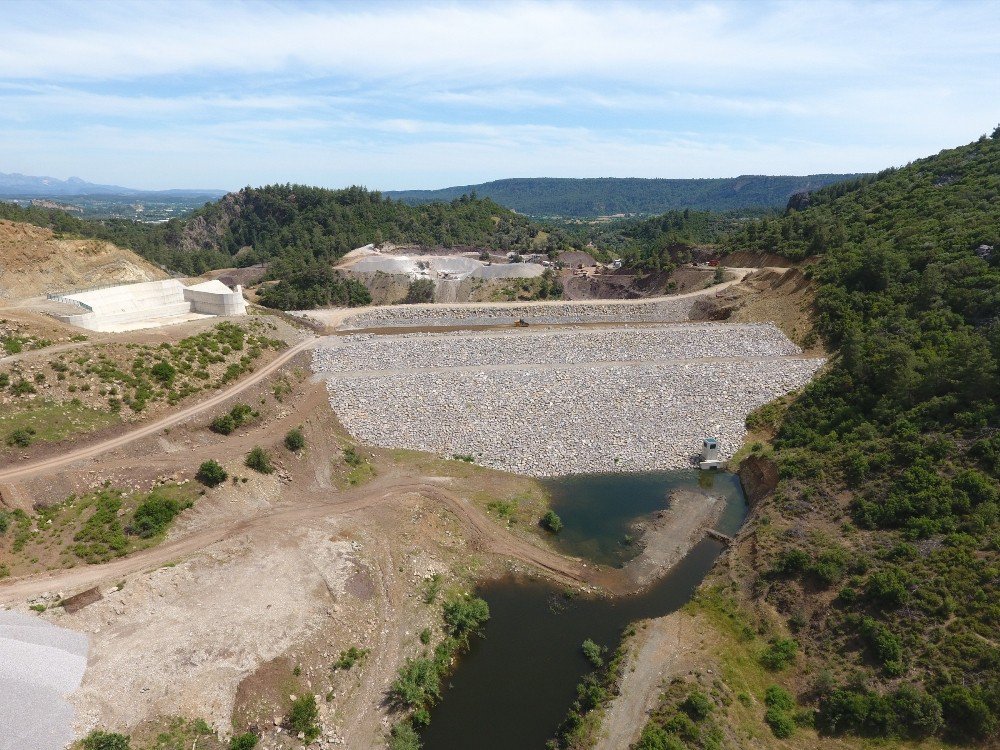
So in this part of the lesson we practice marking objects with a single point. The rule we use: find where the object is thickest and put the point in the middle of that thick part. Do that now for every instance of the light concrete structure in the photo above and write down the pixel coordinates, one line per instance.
(150, 304)
(710, 454)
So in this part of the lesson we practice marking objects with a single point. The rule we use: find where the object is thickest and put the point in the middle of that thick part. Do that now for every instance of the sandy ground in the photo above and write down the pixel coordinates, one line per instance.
(671, 533)
(664, 647)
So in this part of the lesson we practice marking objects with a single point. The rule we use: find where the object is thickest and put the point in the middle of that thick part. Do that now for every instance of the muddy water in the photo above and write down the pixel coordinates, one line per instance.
(515, 685)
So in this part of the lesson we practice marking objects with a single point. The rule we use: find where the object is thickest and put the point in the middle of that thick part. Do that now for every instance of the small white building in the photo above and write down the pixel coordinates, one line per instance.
(710, 454)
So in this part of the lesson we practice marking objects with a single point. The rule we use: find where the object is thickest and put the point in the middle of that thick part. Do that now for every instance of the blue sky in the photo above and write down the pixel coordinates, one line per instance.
(412, 94)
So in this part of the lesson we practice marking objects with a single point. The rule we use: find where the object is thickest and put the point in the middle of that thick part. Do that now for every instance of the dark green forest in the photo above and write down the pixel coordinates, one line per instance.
(906, 424)
(607, 196)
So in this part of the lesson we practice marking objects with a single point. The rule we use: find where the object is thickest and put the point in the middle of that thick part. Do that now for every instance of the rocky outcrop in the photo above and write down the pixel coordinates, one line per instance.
(759, 477)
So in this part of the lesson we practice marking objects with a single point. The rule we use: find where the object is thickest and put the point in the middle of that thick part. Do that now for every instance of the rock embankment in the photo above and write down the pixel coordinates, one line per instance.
(369, 352)
(552, 404)
(656, 311)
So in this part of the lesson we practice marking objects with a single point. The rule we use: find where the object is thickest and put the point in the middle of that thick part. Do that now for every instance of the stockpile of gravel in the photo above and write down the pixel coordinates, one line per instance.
(539, 412)
(368, 352)
(40, 664)
(655, 311)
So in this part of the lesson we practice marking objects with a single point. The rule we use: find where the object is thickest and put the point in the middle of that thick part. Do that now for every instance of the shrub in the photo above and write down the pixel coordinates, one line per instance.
(106, 741)
(593, 653)
(21, 438)
(778, 697)
(223, 425)
(465, 615)
(163, 372)
(295, 440)
(258, 460)
(655, 738)
(420, 290)
(352, 457)
(696, 705)
(404, 737)
(417, 686)
(22, 388)
(211, 474)
(304, 716)
(779, 653)
(782, 725)
(551, 522)
(246, 741)
(350, 657)
(966, 713)
(154, 514)
(887, 647)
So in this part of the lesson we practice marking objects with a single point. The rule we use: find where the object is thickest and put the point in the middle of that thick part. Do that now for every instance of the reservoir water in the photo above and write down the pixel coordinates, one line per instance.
(514, 686)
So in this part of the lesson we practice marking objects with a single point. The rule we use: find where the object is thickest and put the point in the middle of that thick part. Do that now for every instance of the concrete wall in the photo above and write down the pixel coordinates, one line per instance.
(115, 307)
(215, 298)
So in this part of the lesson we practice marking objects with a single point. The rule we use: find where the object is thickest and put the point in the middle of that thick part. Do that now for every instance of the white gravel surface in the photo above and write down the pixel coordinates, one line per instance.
(40, 664)
(555, 402)
(371, 352)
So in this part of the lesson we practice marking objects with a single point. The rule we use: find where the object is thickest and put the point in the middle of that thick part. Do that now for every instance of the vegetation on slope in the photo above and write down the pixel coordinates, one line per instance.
(879, 546)
(295, 225)
(607, 196)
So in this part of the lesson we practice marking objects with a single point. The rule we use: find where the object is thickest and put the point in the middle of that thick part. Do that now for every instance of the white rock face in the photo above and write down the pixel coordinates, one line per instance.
(554, 402)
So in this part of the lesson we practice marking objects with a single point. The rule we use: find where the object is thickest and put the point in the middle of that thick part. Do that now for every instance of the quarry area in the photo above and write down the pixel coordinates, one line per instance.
(552, 402)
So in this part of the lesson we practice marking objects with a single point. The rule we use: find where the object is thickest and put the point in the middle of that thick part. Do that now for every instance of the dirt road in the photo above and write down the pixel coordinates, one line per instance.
(334, 317)
(51, 464)
(484, 533)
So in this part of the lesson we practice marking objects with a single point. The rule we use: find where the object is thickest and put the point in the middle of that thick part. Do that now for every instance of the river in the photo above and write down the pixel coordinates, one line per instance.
(514, 686)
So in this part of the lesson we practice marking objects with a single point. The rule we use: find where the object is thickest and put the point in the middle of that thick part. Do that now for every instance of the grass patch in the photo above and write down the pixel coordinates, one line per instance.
(49, 421)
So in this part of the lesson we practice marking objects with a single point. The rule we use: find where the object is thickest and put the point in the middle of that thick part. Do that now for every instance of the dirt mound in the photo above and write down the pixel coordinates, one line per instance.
(33, 261)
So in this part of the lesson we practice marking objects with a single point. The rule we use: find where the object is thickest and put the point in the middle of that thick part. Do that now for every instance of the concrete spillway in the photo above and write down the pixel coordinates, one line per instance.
(40, 665)
(150, 304)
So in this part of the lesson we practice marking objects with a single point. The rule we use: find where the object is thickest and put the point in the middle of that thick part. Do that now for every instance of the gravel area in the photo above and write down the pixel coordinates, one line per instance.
(370, 352)
(40, 664)
(558, 402)
(657, 311)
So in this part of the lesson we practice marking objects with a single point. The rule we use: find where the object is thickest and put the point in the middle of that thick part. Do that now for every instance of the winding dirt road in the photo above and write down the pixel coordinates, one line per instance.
(484, 533)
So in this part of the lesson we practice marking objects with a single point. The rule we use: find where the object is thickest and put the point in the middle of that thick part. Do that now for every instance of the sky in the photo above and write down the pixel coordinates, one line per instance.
(416, 94)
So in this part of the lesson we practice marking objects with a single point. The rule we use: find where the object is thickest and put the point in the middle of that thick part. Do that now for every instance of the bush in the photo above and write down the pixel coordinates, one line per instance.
(106, 741)
(404, 737)
(655, 738)
(593, 653)
(782, 725)
(778, 697)
(247, 741)
(465, 615)
(303, 717)
(779, 653)
(211, 474)
(887, 647)
(258, 460)
(966, 713)
(154, 514)
(551, 522)
(420, 290)
(223, 425)
(21, 438)
(163, 372)
(696, 705)
(417, 686)
(295, 440)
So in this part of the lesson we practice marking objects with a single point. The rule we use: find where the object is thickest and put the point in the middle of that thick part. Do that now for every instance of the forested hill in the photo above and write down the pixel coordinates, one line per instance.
(606, 196)
(296, 225)
(881, 545)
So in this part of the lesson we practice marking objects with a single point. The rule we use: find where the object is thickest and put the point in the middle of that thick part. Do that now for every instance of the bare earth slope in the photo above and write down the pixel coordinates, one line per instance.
(33, 261)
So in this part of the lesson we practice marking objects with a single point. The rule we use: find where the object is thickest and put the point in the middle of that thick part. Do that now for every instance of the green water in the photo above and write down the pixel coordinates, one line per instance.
(513, 688)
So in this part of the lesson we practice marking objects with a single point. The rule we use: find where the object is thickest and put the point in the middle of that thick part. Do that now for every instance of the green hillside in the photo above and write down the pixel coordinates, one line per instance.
(296, 226)
(881, 546)
(606, 196)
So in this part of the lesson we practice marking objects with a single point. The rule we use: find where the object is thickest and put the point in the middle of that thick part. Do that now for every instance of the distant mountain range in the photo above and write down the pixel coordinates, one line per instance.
(606, 196)
(28, 186)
